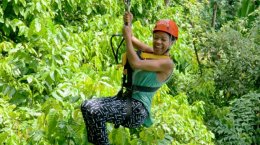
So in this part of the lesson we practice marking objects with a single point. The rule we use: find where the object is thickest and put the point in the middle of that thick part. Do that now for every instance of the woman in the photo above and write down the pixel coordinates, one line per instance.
(147, 73)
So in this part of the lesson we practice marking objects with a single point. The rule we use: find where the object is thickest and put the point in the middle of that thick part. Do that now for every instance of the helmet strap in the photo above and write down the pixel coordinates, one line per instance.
(171, 41)
(168, 49)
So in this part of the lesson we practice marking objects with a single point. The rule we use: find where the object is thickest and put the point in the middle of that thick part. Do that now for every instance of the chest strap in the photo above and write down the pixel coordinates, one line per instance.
(144, 88)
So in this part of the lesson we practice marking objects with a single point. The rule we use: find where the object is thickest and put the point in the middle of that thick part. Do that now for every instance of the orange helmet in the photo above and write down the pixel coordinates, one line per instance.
(167, 26)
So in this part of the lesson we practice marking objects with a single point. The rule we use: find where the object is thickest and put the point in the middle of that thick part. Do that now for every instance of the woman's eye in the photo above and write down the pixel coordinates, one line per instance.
(164, 40)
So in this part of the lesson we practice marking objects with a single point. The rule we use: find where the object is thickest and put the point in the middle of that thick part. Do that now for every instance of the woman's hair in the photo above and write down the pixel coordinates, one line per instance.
(172, 38)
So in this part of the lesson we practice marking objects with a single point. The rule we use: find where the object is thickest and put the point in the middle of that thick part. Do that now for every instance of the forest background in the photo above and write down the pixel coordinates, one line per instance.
(54, 54)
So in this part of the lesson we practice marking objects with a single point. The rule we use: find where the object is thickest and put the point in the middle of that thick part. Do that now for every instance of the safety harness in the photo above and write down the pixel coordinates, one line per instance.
(127, 87)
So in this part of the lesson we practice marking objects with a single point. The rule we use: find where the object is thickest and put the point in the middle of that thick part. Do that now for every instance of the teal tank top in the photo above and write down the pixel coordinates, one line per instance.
(147, 79)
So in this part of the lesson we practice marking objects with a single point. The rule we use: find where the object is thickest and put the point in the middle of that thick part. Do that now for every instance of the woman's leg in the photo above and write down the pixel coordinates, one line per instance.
(97, 112)
(138, 115)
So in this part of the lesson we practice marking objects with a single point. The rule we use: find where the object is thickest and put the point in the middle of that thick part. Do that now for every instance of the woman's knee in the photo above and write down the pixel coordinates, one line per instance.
(84, 104)
(89, 108)
(85, 107)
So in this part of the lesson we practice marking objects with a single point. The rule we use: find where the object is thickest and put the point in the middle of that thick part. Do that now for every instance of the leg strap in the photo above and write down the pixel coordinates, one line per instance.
(126, 96)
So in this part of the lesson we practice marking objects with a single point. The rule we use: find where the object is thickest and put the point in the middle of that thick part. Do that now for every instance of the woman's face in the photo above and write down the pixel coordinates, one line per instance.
(161, 42)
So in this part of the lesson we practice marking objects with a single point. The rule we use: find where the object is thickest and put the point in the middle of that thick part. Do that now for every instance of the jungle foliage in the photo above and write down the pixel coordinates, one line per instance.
(52, 58)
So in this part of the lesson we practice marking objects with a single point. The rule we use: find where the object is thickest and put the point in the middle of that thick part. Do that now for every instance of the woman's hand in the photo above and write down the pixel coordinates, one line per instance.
(128, 17)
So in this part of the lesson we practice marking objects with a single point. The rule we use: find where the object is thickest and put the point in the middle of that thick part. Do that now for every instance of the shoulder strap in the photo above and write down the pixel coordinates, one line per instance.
(127, 74)
(144, 55)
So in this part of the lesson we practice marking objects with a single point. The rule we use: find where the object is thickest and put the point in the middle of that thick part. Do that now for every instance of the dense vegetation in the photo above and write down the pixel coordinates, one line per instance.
(56, 53)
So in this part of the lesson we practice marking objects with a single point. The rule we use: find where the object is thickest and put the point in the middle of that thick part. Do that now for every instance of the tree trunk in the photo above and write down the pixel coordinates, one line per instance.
(166, 2)
(215, 8)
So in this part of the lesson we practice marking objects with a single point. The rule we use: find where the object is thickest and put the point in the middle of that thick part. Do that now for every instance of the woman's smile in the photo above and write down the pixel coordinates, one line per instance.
(161, 42)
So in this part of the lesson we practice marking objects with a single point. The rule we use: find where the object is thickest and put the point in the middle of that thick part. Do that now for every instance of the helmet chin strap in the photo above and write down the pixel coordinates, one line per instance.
(168, 49)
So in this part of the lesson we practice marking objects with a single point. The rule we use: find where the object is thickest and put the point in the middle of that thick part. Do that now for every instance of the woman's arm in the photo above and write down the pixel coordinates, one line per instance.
(140, 45)
(128, 17)
(160, 65)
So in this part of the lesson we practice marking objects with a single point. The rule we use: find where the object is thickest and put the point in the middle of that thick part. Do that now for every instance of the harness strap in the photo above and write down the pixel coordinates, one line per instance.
(144, 55)
(127, 82)
(152, 56)
(126, 96)
(144, 88)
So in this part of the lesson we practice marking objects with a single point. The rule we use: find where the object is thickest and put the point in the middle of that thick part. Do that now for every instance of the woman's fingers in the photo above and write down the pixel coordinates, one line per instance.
(128, 17)
(131, 16)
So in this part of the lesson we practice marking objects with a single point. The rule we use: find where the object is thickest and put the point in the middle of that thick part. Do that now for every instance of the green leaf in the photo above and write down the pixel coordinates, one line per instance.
(38, 7)
(56, 96)
(1, 15)
(37, 136)
(16, 9)
(4, 4)
(37, 25)
(140, 9)
(30, 79)
(52, 119)
(3, 137)
(89, 10)
(120, 136)
(17, 22)
(52, 75)
(160, 133)
(23, 2)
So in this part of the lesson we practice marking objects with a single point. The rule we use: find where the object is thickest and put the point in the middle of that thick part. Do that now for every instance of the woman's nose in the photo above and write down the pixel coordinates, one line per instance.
(158, 40)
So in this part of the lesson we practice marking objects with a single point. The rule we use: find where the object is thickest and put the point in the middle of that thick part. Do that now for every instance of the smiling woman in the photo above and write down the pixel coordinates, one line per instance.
(148, 73)
(161, 42)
